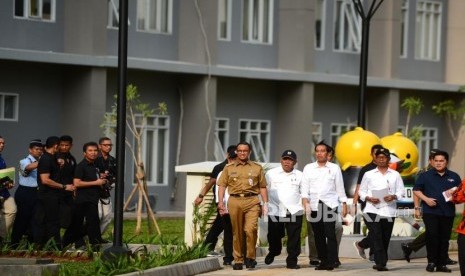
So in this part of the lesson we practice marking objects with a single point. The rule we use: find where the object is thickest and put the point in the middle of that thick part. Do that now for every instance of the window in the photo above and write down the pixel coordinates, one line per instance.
(155, 147)
(337, 130)
(347, 27)
(428, 30)
(257, 21)
(42, 10)
(320, 11)
(257, 133)
(224, 19)
(428, 141)
(404, 29)
(113, 14)
(9, 104)
(221, 138)
(317, 133)
(154, 15)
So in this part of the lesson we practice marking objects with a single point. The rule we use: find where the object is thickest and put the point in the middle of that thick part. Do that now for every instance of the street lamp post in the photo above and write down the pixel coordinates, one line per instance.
(117, 249)
(366, 18)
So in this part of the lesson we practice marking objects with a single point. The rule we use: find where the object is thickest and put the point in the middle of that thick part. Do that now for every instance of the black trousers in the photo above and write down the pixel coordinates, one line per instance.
(461, 245)
(26, 201)
(48, 218)
(323, 223)
(437, 229)
(381, 230)
(292, 224)
(418, 242)
(88, 211)
(220, 224)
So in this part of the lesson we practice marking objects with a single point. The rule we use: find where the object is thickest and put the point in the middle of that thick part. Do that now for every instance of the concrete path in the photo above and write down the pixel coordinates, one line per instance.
(349, 267)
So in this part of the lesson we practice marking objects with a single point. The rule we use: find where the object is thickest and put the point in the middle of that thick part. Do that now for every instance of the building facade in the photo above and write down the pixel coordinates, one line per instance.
(277, 73)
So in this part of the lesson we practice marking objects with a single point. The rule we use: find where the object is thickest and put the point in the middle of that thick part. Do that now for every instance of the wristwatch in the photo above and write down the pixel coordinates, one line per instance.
(200, 195)
(63, 186)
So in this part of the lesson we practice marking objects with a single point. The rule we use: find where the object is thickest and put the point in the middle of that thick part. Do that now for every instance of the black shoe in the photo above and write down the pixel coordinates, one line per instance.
(296, 266)
(237, 266)
(451, 262)
(250, 263)
(443, 269)
(324, 267)
(407, 251)
(380, 268)
(337, 264)
(314, 263)
(430, 267)
(103, 241)
(269, 259)
(227, 263)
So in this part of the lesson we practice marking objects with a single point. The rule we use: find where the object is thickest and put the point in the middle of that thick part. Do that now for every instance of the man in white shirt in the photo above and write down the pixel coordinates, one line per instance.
(381, 188)
(285, 210)
(322, 191)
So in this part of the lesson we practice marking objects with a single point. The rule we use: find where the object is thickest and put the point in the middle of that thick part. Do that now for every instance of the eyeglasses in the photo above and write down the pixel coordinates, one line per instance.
(107, 145)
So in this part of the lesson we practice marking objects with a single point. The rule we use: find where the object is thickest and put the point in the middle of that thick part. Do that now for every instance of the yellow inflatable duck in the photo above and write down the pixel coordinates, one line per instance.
(404, 149)
(353, 149)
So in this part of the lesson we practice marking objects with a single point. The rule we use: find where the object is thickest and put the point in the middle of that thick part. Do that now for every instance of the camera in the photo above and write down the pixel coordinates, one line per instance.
(106, 188)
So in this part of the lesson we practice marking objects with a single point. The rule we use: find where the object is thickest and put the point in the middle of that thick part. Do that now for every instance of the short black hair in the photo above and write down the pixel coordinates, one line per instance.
(103, 139)
(89, 144)
(441, 153)
(322, 143)
(245, 144)
(231, 148)
(52, 141)
(66, 138)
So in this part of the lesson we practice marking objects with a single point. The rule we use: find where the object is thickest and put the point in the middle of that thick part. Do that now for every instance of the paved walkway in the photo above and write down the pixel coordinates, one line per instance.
(348, 267)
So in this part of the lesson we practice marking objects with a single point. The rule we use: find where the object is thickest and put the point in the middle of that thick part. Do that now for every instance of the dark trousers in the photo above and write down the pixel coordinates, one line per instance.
(381, 230)
(461, 245)
(292, 224)
(48, 218)
(365, 243)
(437, 229)
(323, 223)
(221, 224)
(26, 201)
(418, 242)
(88, 211)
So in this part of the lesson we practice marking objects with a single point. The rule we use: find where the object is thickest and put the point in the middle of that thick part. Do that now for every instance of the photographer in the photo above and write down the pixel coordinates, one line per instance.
(26, 194)
(88, 186)
(7, 202)
(107, 168)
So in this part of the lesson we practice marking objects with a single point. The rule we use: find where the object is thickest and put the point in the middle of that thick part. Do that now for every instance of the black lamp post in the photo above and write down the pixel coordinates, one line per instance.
(366, 17)
(117, 249)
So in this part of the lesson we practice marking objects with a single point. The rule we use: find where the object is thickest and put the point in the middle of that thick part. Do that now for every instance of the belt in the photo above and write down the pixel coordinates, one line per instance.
(243, 195)
(27, 187)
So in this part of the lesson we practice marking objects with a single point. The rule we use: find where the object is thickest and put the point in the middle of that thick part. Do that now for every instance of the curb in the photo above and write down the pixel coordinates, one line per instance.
(192, 267)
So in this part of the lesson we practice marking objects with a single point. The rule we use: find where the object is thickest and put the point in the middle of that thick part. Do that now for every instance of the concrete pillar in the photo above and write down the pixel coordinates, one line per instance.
(455, 56)
(198, 125)
(294, 121)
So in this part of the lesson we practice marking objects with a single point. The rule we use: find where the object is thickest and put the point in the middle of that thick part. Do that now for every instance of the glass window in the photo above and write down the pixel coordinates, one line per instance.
(224, 19)
(320, 12)
(428, 30)
(257, 133)
(428, 141)
(221, 138)
(154, 15)
(337, 130)
(347, 27)
(113, 13)
(257, 21)
(404, 29)
(42, 10)
(9, 104)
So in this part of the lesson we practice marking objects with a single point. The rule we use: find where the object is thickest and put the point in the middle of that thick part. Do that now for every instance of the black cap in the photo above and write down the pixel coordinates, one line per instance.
(35, 143)
(232, 153)
(383, 151)
(289, 154)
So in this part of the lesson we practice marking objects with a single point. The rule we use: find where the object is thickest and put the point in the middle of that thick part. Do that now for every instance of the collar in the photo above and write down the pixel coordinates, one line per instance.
(32, 158)
(238, 163)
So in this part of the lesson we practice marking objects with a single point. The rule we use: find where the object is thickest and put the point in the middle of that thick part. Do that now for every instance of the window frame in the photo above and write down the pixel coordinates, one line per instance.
(405, 20)
(321, 6)
(251, 135)
(113, 14)
(424, 50)
(354, 37)
(158, 17)
(27, 13)
(428, 140)
(342, 128)
(228, 21)
(15, 107)
(248, 38)
(221, 138)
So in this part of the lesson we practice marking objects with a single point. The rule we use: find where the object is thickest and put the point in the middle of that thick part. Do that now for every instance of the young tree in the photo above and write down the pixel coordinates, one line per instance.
(137, 114)
(451, 112)
(413, 106)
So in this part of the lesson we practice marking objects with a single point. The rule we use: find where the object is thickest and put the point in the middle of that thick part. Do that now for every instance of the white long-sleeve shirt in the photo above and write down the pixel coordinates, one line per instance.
(323, 183)
(283, 191)
(375, 180)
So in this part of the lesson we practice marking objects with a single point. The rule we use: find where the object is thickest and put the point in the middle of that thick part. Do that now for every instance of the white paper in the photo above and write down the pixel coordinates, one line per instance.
(348, 219)
(380, 194)
(448, 194)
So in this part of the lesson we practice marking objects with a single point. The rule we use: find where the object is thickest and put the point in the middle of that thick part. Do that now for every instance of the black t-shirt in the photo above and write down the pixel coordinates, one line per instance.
(215, 172)
(108, 164)
(67, 170)
(87, 171)
(48, 164)
(366, 168)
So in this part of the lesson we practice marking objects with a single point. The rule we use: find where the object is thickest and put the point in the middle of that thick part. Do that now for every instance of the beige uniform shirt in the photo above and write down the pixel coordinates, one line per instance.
(243, 178)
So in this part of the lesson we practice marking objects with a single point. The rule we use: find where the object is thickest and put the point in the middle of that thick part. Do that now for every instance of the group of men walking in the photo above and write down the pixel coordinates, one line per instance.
(285, 196)
(56, 192)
